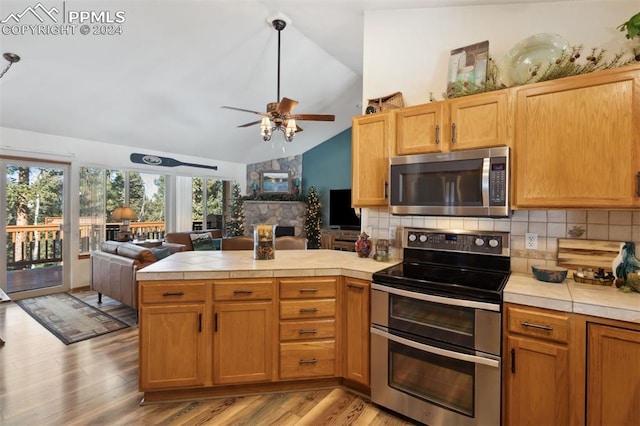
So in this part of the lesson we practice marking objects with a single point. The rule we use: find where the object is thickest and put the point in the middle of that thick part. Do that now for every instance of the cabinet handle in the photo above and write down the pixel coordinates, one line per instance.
(169, 294)
(308, 290)
(308, 311)
(357, 287)
(242, 291)
(638, 184)
(308, 361)
(215, 323)
(538, 326)
(199, 323)
(453, 133)
(437, 134)
(312, 331)
(513, 361)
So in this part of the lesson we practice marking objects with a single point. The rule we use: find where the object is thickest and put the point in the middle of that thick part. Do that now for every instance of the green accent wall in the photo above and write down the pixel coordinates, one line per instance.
(328, 166)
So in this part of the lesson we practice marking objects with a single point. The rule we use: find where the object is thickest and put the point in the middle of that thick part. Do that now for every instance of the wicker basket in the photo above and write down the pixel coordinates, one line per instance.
(595, 281)
(385, 103)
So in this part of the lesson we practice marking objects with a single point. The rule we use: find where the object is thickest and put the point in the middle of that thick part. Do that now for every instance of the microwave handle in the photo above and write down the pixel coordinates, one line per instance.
(486, 166)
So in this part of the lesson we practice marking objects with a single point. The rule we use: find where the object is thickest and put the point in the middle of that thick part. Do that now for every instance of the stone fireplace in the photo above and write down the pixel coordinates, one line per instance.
(288, 215)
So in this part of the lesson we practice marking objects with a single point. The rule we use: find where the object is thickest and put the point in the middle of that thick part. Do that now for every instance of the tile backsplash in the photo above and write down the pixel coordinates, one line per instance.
(549, 225)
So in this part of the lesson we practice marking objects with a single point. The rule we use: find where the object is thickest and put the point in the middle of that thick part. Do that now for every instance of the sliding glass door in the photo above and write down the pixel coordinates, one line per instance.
(33, 204)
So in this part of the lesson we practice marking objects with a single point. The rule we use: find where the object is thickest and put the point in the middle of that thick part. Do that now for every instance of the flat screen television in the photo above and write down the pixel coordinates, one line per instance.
(341, 214)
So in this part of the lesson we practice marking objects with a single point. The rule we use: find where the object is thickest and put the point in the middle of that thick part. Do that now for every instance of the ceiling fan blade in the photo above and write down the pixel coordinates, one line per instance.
(286, 105)
(245, 110)
(250, 124)
(314, 117)
(298, 129)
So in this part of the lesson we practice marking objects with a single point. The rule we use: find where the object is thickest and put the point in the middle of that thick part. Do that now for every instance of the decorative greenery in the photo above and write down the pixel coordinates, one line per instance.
(632, 26)
(313, 219)
(460, 88)
(235, 226)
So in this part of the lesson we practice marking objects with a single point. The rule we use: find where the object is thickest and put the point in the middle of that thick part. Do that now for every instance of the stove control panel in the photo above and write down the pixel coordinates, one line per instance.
(489, 242)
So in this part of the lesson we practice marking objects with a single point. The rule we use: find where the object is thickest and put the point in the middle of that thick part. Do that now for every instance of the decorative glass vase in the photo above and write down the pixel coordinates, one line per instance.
(363, 245)
(264, 242)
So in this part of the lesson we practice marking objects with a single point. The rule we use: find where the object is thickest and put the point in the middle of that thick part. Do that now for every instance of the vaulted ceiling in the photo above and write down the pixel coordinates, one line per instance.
(159, 85)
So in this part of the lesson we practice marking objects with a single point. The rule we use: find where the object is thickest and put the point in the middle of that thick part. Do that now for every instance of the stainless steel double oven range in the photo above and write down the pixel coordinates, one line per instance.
(436, 327)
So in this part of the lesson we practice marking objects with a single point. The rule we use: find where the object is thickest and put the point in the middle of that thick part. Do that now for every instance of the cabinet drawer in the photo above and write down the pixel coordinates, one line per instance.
(539, 324)
(243, 290)
(172, 293)
(304, 330)
(300, 309)
(308, 288)
(309, 359)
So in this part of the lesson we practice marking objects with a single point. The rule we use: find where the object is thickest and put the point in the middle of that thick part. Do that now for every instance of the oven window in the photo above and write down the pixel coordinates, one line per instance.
(453, 324)
(436, 379)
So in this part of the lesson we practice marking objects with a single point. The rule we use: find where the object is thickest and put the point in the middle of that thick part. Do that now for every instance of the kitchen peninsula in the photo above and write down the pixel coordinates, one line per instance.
(220, 323)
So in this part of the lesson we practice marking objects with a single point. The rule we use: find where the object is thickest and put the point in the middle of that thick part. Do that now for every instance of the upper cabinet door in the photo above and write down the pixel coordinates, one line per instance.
(480, 121)
(577, 141)
(371, 137)
(419, 129)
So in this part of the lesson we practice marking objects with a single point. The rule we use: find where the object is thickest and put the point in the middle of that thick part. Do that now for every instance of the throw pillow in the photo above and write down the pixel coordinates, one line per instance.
(205, 242)
(161, 252)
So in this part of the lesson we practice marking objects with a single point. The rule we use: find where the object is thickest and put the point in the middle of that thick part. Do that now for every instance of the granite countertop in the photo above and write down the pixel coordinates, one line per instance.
(193, 265)
(570, 296)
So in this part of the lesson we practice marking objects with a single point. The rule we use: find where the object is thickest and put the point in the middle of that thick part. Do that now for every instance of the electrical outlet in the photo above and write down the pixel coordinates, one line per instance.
(531, 241)
(392, 233)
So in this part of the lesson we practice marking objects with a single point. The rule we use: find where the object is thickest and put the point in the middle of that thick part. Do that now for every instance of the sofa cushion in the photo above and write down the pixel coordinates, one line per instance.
(204, 242)
(161, 252)
(141, 254)
(185, 237)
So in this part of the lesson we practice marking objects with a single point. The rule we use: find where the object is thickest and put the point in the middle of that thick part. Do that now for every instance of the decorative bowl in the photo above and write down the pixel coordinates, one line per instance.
(549, 274)
(527, 60)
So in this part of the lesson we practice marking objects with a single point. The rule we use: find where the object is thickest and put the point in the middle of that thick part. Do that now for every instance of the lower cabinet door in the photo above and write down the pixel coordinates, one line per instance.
(537, 382)
(307, 359)
(172, 346)
(244, 335)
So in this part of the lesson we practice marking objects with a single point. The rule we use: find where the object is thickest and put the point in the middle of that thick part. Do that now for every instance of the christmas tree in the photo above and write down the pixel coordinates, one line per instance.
(235, 226)
(313, 219)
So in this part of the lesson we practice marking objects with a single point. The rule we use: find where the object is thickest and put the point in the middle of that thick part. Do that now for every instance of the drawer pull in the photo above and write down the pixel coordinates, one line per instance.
(538, 326)
(170, 294)
(312, 331)
(308, 361)
(308, 290)
(357, 287)
(308, 311)
(242, 291)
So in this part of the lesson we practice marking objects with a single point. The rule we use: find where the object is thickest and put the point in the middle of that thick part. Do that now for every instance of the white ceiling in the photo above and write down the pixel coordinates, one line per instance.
(159, 86)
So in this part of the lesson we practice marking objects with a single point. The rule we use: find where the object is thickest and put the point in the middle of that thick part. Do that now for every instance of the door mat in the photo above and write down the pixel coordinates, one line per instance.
(68, 318)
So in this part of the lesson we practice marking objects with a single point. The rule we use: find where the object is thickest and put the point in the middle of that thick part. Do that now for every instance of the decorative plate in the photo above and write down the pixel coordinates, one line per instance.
(528, 59)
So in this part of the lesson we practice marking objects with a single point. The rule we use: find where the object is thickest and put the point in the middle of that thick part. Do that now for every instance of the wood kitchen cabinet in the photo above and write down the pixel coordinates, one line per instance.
(613, 375)
(308, 327)
(371, 137)
(172, 335)
(469, 122)
(244, 331)
(356, 330)
(577, 141)
(537, 367)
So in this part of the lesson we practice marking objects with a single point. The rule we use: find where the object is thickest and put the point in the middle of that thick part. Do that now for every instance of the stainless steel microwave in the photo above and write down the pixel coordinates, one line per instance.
(462, 183)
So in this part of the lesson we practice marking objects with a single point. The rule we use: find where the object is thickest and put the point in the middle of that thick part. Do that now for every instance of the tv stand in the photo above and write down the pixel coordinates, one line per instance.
(338, 239)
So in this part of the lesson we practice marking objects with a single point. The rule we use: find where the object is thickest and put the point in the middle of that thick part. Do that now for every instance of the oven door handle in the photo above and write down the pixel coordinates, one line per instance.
(437, 351)
(437, 299)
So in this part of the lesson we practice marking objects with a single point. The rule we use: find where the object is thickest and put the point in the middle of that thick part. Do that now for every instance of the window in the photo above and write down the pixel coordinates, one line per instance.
(211, 211)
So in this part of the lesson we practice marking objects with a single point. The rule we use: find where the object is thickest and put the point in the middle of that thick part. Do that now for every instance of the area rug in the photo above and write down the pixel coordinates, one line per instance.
(68, 318)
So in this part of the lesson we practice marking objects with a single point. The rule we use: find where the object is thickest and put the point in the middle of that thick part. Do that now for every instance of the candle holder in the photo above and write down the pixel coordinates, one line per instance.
(264, 242)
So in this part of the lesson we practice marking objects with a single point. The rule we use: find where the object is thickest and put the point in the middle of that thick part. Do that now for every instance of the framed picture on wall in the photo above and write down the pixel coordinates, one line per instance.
(274, 182)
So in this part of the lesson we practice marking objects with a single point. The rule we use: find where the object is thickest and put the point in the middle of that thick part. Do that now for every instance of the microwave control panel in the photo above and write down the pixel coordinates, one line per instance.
(497, 181)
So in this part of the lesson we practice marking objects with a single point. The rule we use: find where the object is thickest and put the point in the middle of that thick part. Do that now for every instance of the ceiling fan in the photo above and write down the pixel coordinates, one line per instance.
(278, 115)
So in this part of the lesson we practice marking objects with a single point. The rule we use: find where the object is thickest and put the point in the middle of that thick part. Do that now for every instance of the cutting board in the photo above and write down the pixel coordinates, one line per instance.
(587, 253)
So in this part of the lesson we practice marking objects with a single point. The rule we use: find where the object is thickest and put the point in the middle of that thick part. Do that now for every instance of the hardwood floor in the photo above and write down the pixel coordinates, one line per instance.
(95, 382)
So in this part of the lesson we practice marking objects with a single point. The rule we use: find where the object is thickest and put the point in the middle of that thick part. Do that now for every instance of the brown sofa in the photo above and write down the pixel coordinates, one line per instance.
(184, 237)
(114, 267)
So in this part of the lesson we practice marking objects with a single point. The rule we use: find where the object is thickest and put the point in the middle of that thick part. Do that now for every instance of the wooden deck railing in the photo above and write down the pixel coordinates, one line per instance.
(30, 245)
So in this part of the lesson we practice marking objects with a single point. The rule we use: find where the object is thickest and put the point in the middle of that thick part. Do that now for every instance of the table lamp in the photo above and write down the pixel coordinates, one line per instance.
(126, 215)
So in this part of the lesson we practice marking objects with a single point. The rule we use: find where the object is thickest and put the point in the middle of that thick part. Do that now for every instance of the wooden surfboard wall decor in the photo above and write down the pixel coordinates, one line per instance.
(156, 160)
